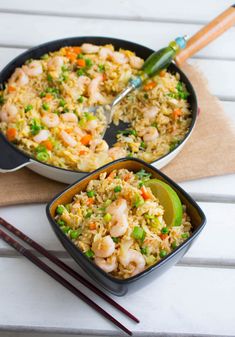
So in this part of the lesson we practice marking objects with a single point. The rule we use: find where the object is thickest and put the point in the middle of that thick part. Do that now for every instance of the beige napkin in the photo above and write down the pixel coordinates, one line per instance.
(209, 152)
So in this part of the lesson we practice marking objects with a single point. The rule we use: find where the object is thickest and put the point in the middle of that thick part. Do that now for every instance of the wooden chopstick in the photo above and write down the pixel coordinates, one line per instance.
(30, 256)
(65, 267)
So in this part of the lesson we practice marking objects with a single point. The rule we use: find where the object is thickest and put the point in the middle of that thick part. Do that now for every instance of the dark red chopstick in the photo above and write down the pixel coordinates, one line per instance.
(65, 267)
(30, 256)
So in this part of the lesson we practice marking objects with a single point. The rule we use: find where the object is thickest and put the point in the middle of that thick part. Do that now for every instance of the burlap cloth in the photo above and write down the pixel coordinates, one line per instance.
(209, 152)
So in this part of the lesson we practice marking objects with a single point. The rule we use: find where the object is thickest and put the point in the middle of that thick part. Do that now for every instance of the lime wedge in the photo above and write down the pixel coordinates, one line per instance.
(169, 199)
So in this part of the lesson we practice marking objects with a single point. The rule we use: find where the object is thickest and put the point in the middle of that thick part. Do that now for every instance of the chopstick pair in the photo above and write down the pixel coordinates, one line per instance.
(43, 266)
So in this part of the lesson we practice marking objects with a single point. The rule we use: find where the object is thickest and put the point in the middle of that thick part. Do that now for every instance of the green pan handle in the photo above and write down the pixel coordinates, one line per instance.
(159, 60)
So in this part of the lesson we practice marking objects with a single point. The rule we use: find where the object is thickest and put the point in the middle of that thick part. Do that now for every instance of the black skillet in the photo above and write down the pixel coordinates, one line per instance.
(12, 158)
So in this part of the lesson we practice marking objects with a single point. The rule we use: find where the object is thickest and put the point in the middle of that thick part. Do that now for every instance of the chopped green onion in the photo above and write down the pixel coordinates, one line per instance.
(89, 253)
(90, 194)
(44, 57)
(45, 106)
(165, 230)
(28, 108)
(185, 235)
(146, 96)
(42, 156)
(163, 253)
(60, 222)
(60, 209)
(173, 145)
(74, 234)
(143, 175)
(80, 56)
(142, 146)
(141, 183)
(88, 214)
(41, 148)
(138, 233)
(89, 116)
(144, 250)
(101, 68)
(64, 68)
(62, 103)
(117, 189)
(107, 217)
(139, 201)
(116, 240)
(65, 229)
(150, 259)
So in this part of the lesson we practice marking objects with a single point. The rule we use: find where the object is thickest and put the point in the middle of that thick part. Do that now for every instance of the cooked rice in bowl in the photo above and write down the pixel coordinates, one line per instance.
(43, 108)
(119, 224)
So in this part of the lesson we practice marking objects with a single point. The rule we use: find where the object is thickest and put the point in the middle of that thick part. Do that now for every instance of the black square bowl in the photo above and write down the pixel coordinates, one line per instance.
(118, 286)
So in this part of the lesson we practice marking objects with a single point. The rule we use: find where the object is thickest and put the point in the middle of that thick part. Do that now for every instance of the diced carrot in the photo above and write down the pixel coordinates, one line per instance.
(90, 201)
(162, 73)
(176, 113)
(11, 134)
(111, 174)
(127, 177)
(145, 194)
(69, 130)
(150, 86)
(104, 77)
(82, 152)
(71, 56)
(48, 144)
(92, 225)
(48, 97)
(11, 88)
(81, 62)
(76, 50)
(163, 236)
(85, 140)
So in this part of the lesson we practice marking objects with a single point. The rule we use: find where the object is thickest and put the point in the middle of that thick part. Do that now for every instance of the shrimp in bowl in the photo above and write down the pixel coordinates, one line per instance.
(119, 223)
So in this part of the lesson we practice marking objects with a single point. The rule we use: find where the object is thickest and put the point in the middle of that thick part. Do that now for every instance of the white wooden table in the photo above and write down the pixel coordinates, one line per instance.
(196, 297)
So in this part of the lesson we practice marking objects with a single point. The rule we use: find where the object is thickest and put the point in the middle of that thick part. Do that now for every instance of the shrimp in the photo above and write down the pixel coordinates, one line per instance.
(8, 113)
(93, 90)
(99, 145)
(108, 265)
(19, 77)
(89, 48)
(41, 136)
(69, 117)
(69, 140)
(103, 247)
(91, 125)
(119, 222)
(82, 81)
(151, 112)
(117, 152)
(136, 62)
(51, 120)
(33, 69)
(54, 66)
(105, 52)
(119, 58)
(132, 256)
(150, 134)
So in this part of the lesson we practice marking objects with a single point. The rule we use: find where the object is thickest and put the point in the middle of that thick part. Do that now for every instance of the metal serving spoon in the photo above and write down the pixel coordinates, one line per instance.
(159, 60)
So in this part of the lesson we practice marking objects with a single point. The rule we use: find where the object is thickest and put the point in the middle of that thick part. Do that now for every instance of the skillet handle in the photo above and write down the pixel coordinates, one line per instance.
(207, 34)
(10, 158)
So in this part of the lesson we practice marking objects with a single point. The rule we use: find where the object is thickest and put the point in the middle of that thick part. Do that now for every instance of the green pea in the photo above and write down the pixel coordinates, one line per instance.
(90, 194)
(60, 209)
(107, 217)
(49, 78)
(74, 234)
(116, 240)
(28, 108)
(89, 253)
(65, 229)
(60, 222)
(45, 106)
(62, 103)
(80, 72)
(101, 68)
(42, 94)
(144, 250)
(88, 214)
(185, 235)
(89, 63)
(163, 253)
(42, 156)
(117, 189)
(81, 99)
(80, 56)
(165, 230)
(173, 245)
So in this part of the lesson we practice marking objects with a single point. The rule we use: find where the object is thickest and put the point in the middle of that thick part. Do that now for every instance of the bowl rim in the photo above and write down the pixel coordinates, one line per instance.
(70, 40)
(155, 265)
